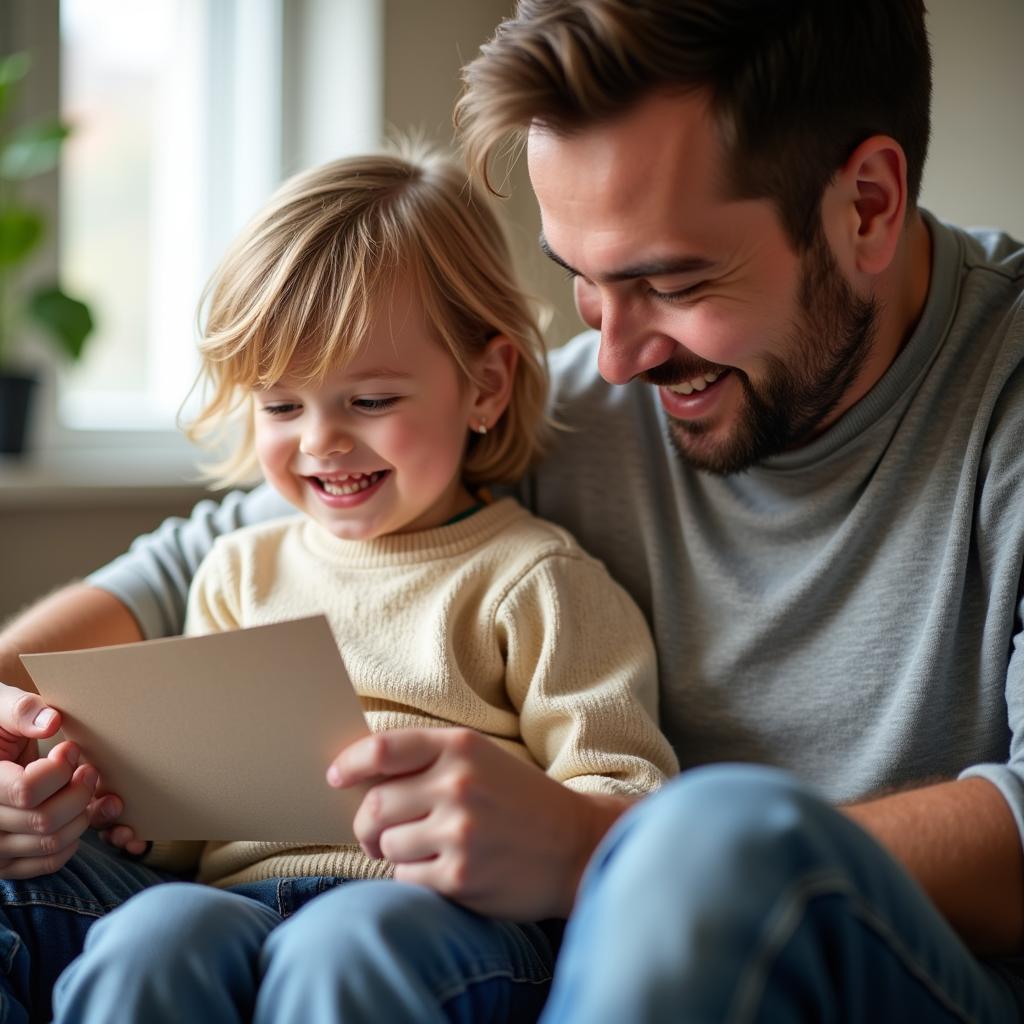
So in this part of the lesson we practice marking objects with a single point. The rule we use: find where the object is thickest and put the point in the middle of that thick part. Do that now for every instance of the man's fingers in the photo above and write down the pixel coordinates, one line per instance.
(24, 718)
(26, 714)
(383, 755)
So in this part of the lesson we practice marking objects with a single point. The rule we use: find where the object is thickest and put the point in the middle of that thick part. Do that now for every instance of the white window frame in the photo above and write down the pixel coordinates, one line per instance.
(326, 51)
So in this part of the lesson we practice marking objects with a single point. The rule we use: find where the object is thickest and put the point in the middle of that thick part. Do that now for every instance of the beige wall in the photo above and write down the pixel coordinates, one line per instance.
(973, 176)
(46, 542)
(975, 167)
(976, 162)
(425, 45)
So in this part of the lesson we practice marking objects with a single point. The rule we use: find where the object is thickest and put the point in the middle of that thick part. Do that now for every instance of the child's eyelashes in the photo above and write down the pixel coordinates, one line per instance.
(280, 408)
(375, 404)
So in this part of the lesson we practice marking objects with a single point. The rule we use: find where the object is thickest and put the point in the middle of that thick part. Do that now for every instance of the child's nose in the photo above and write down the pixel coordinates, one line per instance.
(321, 440)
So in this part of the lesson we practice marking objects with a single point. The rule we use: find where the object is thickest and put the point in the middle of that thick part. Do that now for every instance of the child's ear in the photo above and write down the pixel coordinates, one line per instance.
(495, 373)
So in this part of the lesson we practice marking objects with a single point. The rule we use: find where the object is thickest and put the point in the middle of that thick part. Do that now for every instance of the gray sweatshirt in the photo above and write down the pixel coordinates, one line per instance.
(851, 610)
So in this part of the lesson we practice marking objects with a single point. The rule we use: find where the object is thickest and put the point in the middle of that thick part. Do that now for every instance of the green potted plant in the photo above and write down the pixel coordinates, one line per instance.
(27, 150)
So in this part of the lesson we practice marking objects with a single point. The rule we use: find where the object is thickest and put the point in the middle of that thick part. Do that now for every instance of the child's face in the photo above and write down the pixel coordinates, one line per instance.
(376, 447)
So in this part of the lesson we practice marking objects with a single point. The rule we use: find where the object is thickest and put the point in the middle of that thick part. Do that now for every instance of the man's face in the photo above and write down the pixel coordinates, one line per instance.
(753, 347)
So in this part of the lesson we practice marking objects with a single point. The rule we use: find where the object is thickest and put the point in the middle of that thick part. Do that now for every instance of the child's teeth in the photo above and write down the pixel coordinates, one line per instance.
(351, 484)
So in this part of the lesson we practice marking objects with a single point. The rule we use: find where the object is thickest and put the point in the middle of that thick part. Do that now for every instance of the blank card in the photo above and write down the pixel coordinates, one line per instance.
(219, 737)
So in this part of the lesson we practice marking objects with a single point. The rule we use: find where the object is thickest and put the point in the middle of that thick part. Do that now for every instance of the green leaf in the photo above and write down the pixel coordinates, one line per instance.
(13, 69)
(68, 320)
(33, 149)
(20, 232)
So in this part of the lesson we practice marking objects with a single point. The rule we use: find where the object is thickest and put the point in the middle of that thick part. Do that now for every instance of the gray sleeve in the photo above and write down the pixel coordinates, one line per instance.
(999, 526)
(152, 578)
(1007, 779)
(1008, 776)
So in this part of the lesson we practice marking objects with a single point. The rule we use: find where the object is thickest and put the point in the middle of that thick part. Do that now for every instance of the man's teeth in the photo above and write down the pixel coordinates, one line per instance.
(350, 484)
(695, 383)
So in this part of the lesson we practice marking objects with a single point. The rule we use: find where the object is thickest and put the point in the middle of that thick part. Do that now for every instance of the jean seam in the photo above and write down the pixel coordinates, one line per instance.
(910, 962)
(463, 986)
(75, 904)
(8, 965)
(790, 909)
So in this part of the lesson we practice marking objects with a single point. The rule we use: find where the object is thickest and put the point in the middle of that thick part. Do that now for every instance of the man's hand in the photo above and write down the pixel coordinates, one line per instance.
(455, 812)
(24, 720)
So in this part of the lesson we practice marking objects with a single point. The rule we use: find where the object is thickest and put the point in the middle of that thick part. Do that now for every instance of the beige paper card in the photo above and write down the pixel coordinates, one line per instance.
(221, 737)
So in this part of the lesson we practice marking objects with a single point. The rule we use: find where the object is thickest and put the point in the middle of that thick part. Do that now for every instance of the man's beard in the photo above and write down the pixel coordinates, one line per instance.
(825, 352)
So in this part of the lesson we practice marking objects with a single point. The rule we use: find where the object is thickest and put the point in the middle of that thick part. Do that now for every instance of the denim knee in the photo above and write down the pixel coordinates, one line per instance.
(356, 923)
(165, 921)
(385, 950)
(728, 823)
(176, 952)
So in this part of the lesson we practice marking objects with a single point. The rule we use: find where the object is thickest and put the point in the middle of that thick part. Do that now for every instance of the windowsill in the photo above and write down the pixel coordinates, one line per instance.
(97, 476)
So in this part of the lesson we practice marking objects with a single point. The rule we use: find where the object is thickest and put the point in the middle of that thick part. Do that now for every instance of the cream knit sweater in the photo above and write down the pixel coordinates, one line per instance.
(499, 622)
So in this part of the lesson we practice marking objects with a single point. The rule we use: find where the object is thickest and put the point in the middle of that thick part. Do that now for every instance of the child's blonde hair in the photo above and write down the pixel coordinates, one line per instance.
(302, 284)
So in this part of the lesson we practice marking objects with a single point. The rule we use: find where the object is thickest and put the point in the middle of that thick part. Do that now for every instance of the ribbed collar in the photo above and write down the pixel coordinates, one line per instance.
(448, 541)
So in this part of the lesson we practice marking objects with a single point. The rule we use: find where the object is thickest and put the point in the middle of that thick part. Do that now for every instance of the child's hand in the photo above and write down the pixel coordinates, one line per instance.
(43, 811)
(455, 812)
(123, 837)
(106, 808)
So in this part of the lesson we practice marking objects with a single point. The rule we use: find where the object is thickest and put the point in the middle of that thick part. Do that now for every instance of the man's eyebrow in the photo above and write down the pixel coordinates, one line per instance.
(653, 268)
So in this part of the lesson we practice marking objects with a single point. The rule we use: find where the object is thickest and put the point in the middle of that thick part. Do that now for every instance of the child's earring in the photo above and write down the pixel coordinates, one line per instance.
(481, 427)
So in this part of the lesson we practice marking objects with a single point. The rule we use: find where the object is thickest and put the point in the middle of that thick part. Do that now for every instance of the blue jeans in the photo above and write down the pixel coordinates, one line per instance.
(736, 895)
(43, 922)
(305, 949)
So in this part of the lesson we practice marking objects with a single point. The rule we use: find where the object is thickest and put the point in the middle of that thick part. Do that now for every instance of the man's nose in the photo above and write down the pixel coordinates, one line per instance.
(630, 345)
(321, 439)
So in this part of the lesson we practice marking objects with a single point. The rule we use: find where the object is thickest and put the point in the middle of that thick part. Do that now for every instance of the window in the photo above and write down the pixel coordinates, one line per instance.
(186, 115)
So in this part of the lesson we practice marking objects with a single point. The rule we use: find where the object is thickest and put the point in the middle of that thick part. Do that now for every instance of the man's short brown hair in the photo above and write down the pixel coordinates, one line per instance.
(796, 85)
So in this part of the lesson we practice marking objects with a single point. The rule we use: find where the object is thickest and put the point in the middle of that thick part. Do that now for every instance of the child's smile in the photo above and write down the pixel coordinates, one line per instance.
(345, 490)
(377, 445)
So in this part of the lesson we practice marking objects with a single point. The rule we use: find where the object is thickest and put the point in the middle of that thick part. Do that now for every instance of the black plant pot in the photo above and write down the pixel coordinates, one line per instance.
(15, 402)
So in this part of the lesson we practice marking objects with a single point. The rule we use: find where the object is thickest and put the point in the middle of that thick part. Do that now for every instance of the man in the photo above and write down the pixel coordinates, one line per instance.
(803, 462)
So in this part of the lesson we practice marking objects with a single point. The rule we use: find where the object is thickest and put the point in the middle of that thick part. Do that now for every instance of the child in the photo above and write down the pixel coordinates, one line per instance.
(367, 328)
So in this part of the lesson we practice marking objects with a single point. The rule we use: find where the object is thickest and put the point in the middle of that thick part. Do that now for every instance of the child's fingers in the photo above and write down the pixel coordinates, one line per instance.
(397, 752)
(105, 809)
(123, 837)
(26, 787)
(17, 847)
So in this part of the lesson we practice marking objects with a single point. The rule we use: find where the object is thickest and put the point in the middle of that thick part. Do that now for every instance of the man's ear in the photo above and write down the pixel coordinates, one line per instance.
(864, 207)
(494, 375)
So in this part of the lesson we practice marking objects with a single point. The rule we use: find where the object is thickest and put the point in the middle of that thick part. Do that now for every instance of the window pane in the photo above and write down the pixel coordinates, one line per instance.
(175, 106)
(129, 195)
